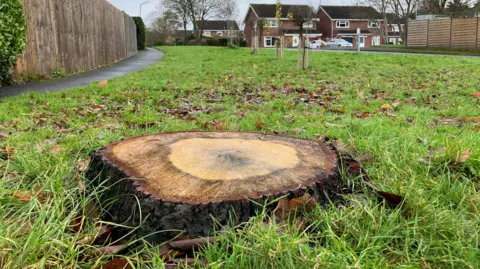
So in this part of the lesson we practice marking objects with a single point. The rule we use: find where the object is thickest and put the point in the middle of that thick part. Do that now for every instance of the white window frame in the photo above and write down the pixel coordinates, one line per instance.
(395, 28)
(370, 24)
(273, 23)
(376, 38)
(308, 24)
(207, 33)
(347, 24)
(392, 40)
(272, 41)
(219, 33)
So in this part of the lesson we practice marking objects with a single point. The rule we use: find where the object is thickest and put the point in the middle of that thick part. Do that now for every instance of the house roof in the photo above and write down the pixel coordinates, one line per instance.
(270, 10)
(220, 25)
(352, 12)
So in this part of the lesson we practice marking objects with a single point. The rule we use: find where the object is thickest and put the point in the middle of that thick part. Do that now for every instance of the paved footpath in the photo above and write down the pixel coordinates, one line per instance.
(135, 63)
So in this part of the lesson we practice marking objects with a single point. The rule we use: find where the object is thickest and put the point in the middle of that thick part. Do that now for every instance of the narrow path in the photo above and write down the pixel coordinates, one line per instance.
(135, 63)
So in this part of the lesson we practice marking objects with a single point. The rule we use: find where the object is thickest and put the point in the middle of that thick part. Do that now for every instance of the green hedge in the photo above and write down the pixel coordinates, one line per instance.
(12, 36)
(141, 33)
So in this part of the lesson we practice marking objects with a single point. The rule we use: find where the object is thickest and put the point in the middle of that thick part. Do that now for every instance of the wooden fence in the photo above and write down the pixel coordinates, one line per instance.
(444, 33)
(74, 36)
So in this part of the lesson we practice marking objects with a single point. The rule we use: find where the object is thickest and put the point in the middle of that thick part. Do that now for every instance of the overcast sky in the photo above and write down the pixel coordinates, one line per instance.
(132, 7)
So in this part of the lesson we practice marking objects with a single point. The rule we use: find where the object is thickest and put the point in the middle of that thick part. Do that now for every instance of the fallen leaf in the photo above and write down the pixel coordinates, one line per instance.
(475, 94)
(282, 209)
(103, 83)
(449, 121)
(361, 114)
(392, 200)
(386, 107)
(4, 135)
(108, 250)
(334, 125)
(191, 244)
(463, 157)
(366, 158)
(254, 66)
(396, 103)
(166, 252)
(27, 196)
(475, 119)
(56, 148)
(259, 124)
(117, 263)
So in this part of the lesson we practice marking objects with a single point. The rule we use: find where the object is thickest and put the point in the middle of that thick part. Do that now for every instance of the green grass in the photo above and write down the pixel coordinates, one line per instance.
(437, 228)
(443, 51)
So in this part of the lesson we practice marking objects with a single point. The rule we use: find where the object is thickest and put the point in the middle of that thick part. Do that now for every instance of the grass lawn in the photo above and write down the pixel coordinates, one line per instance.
(432, 124)
(444, 51)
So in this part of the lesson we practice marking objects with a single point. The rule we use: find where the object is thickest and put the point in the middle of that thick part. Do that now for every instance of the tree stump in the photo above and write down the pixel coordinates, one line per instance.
(191, 181)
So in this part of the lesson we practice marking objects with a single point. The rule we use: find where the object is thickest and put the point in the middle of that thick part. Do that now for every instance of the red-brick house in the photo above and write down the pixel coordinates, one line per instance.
(287, 27)
(395, 29)
(212, 28)
(343, 21)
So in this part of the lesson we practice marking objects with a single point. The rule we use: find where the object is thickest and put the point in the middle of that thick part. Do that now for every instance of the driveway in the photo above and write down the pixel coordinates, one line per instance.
(135, 63)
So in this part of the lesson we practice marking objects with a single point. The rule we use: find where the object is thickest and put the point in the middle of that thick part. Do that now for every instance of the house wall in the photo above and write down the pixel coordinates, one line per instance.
(214, 33)
(324, 25)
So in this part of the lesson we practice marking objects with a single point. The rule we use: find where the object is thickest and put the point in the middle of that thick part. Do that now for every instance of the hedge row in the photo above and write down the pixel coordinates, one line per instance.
(13, 30)
(141, 33)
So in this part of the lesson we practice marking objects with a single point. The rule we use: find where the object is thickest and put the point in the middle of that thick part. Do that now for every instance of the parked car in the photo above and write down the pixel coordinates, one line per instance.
(339, 43)
(316, 44)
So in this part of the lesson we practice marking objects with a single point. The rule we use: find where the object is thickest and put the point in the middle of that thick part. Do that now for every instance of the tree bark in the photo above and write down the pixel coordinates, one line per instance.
(191, 182)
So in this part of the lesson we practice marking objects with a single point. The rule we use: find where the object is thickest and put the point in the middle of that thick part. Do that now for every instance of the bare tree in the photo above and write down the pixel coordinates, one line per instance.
(164, 26)
(301, 15)
(432, 6)
(382, 7)
(405, 10)
(180, 9)
(201, 10)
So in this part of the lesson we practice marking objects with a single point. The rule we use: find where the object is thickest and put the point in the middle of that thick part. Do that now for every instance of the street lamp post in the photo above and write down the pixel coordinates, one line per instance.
(141, 7)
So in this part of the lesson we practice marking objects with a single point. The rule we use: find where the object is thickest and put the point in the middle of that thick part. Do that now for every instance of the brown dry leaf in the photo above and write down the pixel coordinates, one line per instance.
(166, 252)
(108, 250)
(4, 135)
(475, 119)
(103, 83)
(191, 244)
(386, 107)
(301, 223)
(327, 124)
(183, 263)
(82, 165)
(306, 203)
(57, 148)
(361, 114)
(449, 121)
(259, 124)
(475, 94)
(463, 157)
(397, 103)
(366, 158)
(26, 196)
(117, 263)
(282, 209)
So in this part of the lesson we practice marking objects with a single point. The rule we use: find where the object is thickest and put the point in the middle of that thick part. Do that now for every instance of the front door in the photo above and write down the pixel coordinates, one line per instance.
(362, 41)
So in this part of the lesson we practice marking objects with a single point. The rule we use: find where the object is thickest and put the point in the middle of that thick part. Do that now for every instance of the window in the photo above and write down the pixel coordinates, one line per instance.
(206, 33)
(308, 25)
(272, 23)
(343, 24)
(219, 33)
(396, 28)
(376, 40)
(373, 24)
(269, 41)
(392, 40)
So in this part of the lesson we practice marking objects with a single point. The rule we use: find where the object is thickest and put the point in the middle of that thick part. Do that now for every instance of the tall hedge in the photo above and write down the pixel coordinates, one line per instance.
(141, 33)
(13, 31)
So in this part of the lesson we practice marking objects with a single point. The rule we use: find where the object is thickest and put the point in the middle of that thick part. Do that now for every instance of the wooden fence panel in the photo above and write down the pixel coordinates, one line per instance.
(445, 33)
(464, 33)
(439, 33)
(74, 36)
(417, 34)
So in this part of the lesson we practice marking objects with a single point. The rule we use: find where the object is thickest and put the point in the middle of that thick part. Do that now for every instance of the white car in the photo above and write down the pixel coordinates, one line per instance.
(316, 44)
(339, 43)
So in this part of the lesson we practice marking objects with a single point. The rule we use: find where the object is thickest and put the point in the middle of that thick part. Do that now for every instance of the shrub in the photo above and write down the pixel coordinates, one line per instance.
(12, 36)
(141, 33)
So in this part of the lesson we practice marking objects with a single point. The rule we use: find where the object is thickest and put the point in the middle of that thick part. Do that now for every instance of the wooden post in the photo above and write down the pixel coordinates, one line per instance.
(451, 26)
(305, 60)
(282, 46)
(476, 43)
(428, 29)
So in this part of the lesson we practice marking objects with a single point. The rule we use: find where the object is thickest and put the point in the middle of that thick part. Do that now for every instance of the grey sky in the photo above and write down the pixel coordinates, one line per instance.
(132, 7)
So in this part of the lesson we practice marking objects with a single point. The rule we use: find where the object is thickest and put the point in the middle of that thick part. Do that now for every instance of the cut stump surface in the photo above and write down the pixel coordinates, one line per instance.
(182, 180)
